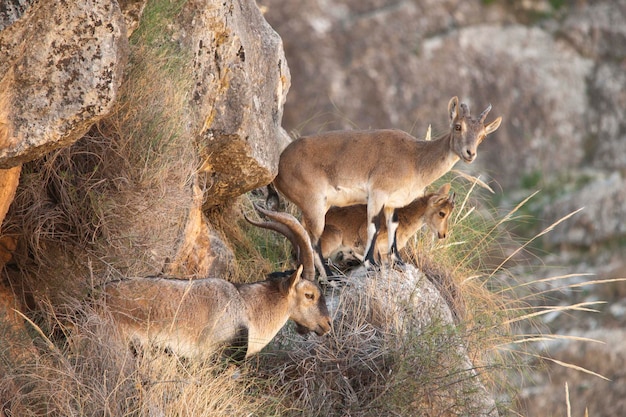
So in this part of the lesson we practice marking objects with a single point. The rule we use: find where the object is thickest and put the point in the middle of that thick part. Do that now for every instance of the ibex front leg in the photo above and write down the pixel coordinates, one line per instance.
(313, 219)
(375, 214)
(391, 216)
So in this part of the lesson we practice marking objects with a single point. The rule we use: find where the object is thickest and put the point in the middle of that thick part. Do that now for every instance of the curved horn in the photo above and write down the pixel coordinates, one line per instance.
(277, 227)
(465, 111)
(483, 115)
(290, 227)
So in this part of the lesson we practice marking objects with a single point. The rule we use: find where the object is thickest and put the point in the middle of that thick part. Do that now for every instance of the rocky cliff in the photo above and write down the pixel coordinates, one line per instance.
(210, 79)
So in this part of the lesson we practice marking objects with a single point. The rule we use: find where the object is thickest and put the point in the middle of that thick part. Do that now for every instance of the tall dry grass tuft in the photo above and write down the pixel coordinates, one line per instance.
(477, 270)
(385, 356)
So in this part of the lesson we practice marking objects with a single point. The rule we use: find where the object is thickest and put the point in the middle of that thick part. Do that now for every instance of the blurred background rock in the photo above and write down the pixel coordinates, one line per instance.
(556, 71)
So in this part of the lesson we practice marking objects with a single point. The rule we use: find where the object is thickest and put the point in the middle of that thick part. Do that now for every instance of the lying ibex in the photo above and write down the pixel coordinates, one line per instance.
(195, 318)
(385, 169)
(346, 227)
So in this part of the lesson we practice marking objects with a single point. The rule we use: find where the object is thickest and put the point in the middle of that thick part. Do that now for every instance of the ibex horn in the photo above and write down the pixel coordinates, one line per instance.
(483, 115)
(290, 227)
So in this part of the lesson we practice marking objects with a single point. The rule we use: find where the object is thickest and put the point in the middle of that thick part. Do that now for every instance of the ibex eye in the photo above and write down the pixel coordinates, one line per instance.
(309, 296)
(442, 214)
(457, 127)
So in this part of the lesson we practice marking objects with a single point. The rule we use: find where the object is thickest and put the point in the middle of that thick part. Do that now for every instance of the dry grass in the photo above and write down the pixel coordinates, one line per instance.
(81, 370)
(378, 361)
(373, 362)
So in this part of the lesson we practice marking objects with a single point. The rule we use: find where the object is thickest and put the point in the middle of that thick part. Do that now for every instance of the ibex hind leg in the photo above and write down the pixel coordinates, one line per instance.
(326, 274)
(373, 229)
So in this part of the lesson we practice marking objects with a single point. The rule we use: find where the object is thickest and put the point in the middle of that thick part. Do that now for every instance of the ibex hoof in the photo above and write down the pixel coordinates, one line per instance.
(370, 266)
(399, 266)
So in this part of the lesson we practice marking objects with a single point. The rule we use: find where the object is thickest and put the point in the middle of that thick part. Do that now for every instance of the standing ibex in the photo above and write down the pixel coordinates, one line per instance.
(197, 317)
(346, 227)
(384, 169)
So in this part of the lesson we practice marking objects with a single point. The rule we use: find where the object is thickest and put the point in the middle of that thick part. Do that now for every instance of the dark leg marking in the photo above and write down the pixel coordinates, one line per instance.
(369, 256)
(238, 346)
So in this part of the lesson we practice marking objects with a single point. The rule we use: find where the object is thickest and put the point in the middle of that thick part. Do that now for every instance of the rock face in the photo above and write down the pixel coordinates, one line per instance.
(600, 221)
(241, 81)
(409, 302)
(62, 67)
(11, 10)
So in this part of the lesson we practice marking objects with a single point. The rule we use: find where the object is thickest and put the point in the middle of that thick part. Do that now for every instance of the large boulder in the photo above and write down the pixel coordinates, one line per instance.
(601, 220)
(61, 69)
(396, 348)
(241, 81)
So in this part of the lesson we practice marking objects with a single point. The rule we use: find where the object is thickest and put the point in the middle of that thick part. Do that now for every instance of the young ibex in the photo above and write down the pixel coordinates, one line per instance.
(346, 227)
(385, 169)
(196, 318)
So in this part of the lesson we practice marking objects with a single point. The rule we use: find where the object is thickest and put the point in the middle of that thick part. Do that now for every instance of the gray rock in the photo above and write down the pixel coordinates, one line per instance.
(606, 132)
(241, 81)
(597, 30)
(602, 219)
(143, 214)
(12, 10)
(61, 66)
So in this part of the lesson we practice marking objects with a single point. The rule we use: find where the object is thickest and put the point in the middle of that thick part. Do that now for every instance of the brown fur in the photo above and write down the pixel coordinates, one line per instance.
(197, 317)
(346, 227)
(380, 168)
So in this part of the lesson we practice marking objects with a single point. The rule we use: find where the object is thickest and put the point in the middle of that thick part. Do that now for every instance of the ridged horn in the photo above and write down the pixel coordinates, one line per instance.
(483, 115)
(290, 227)
(465, 111)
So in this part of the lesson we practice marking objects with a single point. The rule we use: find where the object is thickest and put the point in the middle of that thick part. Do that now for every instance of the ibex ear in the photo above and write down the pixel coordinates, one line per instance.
(493, 126)
(453, 108)
(295, 278)
(444, 189)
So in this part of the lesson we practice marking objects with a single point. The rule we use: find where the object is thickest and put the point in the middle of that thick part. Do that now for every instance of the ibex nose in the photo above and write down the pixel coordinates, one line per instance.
(470, 154)
(441, 235)
(323, 328)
